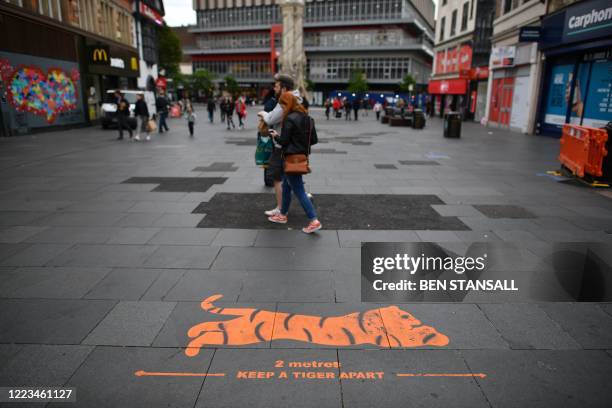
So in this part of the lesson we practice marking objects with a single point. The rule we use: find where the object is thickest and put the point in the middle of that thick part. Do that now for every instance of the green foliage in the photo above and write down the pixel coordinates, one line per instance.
(358, 82)
(170, 53)
(309, 85)
(406, 83)
(231, 85)
(202, 80)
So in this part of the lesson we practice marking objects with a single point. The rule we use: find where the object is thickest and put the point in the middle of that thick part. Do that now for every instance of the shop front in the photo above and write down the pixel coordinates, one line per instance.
(109, 67)
(447, 94)
(577, 86)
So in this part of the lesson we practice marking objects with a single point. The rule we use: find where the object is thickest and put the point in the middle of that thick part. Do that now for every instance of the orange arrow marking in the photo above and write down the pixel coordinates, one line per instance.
(480, 375)
(142, 373)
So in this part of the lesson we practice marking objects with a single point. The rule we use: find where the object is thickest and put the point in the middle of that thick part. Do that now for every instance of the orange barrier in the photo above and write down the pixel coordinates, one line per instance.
(583, 149)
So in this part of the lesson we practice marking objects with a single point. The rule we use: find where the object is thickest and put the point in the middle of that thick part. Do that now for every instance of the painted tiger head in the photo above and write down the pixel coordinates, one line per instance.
(404, 330)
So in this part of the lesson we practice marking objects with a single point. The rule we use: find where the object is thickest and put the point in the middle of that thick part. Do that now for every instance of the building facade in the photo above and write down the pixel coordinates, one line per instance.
(386, 39)
(461, 64)
(515, 65)
(67, 54)
(576, 46)
(148, 16)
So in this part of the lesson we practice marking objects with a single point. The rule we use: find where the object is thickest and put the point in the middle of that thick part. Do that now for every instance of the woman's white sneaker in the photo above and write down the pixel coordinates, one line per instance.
(270, 213)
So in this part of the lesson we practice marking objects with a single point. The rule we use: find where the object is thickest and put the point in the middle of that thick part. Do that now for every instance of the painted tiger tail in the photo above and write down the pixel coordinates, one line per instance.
(208, 306)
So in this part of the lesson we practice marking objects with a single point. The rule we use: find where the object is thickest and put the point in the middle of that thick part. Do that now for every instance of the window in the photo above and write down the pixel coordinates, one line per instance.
(453, 27)
(464, 16)
(507, 6)
(472, 9)
(444, 2)
(442, 25)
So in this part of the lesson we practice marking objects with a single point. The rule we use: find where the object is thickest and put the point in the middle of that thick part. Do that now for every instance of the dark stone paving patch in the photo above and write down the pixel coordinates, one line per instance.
(385, 166)
(359, 143)
(336, 211)
(543, 378)
(106, 378)
(328, 151)
(242, 141)
(419, 163)
(178, 184)
(504, 211)
(217, 166)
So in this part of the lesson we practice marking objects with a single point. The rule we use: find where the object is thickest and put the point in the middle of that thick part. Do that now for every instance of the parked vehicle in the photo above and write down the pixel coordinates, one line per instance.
(109, 107)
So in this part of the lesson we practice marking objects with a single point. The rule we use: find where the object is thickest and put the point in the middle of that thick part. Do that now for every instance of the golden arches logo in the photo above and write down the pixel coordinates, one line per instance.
(99, 54)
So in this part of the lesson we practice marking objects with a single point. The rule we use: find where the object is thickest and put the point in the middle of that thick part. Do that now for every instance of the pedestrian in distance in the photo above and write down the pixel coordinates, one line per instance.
(190, 116)
(211, 107)
(123, 115)
(327, 105)
(356, 106)
(222, 109)
(162, 105)
(347, 109)
(377, 109)
(297, 135)
(141, 111)
(337, 105)
(241, 111)
(229, 113)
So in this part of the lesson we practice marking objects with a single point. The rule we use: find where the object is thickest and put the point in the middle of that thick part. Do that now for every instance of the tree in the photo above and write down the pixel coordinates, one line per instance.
(358, 82)
(407, 83)
(170, 53)
(231, 85)
(202, 80)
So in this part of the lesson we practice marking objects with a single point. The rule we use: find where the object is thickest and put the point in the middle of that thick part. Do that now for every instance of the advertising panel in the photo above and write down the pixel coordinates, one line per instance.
(598, 107)
(558, 94)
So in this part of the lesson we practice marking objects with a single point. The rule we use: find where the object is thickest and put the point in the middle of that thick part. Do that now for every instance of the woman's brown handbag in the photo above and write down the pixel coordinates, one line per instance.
(298, 164)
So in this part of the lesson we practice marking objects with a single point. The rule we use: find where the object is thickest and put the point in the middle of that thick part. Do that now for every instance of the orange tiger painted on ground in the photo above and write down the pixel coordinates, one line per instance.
(384, 327)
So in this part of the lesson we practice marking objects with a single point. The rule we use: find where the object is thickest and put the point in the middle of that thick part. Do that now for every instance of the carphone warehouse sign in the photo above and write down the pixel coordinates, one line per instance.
(588, 20)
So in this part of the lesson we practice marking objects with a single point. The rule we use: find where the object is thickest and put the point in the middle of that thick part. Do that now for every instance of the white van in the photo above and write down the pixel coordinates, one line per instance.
(109, 107)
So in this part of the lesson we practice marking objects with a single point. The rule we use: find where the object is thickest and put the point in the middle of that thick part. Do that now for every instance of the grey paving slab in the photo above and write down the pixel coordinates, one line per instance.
(465, 325)
(527, 326)
(105, 255)
(235, 258)
(100, 206)
(185, 236)
(286, 238)
(21, 217)
(42, 365)
(131, 324)
(16, 234)
(50, 282)
(169, 207)
(107, 379)
(354, 238)
(35, 255)
(347, 285)
(73, 235)
(138, 220)
(395, 391)
(587, 323)
(166, 280)
(287, 286)
(82, 219)
(456, 210)
(274, 392)
(503, 211)
(197, 284)
(539, 378)
(235, 237)
(188, 314)
(50, 321)
(178, 220)
(438, 236)
(6, 250)
(185, 256)
(125, 284)
(133, 235)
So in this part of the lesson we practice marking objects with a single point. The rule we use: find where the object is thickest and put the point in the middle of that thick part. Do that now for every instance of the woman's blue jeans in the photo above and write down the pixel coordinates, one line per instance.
(295, 183)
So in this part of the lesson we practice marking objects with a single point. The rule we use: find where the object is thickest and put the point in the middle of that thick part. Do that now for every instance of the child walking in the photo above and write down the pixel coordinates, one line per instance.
(191, 117)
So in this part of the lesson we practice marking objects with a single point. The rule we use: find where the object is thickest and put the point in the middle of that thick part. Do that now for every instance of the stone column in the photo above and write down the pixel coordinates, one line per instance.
(293, 59)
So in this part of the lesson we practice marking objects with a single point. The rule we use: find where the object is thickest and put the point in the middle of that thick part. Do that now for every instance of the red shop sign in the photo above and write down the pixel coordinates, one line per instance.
(448, 86)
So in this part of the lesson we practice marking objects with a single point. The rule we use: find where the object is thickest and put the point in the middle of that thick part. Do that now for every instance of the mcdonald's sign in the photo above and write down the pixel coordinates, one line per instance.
(99, 55)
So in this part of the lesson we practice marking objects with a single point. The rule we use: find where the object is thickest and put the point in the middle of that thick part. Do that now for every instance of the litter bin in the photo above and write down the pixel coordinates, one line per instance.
(418, 119)
(452, 125)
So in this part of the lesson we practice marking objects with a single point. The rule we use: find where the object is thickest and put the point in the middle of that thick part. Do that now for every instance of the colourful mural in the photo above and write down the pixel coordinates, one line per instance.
(385, 327)
(29, 89)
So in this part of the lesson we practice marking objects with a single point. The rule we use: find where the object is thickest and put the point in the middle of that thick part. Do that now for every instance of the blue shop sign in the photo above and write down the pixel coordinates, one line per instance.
(584, 21)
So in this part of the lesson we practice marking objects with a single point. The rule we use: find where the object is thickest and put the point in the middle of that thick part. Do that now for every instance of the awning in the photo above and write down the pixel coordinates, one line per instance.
(448, 86)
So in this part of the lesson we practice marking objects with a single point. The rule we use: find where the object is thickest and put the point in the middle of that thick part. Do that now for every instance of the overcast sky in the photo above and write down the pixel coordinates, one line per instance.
(180, 12)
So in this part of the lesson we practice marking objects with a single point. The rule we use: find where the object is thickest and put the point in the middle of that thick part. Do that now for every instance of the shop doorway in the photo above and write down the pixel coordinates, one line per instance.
(501, 101)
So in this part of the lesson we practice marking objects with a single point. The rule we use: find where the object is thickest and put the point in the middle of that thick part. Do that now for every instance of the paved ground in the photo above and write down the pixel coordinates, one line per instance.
(108, 248)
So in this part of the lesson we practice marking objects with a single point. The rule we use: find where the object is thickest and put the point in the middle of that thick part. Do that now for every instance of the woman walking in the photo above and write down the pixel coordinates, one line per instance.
(297, 135)
(141, 111)
(229, 113)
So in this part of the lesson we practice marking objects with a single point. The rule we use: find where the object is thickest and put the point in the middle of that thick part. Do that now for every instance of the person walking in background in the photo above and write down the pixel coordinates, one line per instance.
(347, 109)
(229, 113)
(297, 135)
(240, 111)
(222, 109)
(356, 106)
(211, 107)
(337, 105)
(162, 105)
(327, 105)
(377, 108)
(141, 111)
(123, 114)
(190, 116)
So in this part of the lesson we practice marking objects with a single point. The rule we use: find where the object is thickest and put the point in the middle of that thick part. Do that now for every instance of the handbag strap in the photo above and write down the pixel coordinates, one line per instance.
(309, 134)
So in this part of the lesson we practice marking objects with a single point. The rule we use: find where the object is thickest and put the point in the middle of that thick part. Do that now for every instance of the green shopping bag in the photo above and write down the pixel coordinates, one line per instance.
(263, 150)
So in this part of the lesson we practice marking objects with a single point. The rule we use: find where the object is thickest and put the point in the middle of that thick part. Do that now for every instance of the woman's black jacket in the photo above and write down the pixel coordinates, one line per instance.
(294, 133)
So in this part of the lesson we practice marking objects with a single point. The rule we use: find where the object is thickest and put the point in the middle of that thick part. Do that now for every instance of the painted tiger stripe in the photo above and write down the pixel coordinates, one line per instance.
(308, 335)
(399, 343)
(428, 337)
(286, 322)
(252, 316)
(225, 335)
(378, 340)
(258, 332)
(350, 336)
(360, 317)
(322, 321)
